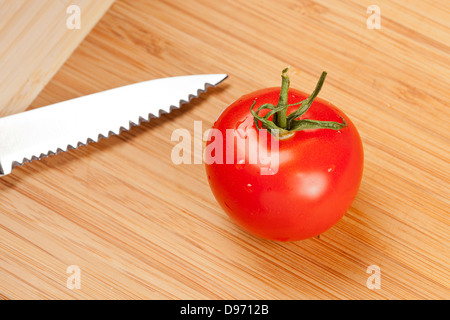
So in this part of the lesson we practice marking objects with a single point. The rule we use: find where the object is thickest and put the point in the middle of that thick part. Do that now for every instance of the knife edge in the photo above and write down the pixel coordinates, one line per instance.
(8, 163)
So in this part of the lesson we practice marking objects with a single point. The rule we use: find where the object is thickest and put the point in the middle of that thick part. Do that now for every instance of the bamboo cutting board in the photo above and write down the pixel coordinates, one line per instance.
(137, 226)
(36, 37)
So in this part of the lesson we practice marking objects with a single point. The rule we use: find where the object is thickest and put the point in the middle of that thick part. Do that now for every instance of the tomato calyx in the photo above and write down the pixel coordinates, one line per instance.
(284, 125)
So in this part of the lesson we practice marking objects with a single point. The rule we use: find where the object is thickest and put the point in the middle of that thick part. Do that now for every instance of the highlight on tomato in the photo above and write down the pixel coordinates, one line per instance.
(317, 172)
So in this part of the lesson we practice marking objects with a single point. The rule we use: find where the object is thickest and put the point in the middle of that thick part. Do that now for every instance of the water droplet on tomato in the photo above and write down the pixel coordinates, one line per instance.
(331, 169)
(240, 122)
(242, 126)
(240, 164)
(249, 187)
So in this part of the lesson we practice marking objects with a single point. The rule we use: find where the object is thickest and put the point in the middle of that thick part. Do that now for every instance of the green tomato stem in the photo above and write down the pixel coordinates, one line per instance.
(283, 125)
(304, 106)
(280, 118)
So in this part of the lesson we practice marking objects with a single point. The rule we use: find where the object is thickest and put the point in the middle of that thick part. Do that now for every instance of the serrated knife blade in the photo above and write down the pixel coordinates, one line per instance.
(58, 127)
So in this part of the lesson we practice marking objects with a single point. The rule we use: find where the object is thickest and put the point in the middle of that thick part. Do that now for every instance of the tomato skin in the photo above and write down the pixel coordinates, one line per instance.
(318, 175)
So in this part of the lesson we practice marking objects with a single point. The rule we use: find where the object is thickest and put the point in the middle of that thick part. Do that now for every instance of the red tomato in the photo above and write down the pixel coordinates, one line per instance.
(316, 180)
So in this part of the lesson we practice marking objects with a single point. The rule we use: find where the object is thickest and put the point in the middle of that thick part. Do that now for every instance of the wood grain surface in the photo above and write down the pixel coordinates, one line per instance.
(140, 227)
(36, 38)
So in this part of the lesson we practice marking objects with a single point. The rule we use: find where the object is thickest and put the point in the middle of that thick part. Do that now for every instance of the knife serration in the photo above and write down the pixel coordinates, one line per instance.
(69, 124)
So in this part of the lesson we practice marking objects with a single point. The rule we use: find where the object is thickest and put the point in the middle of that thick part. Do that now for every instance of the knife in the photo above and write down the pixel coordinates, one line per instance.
(66, 125)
